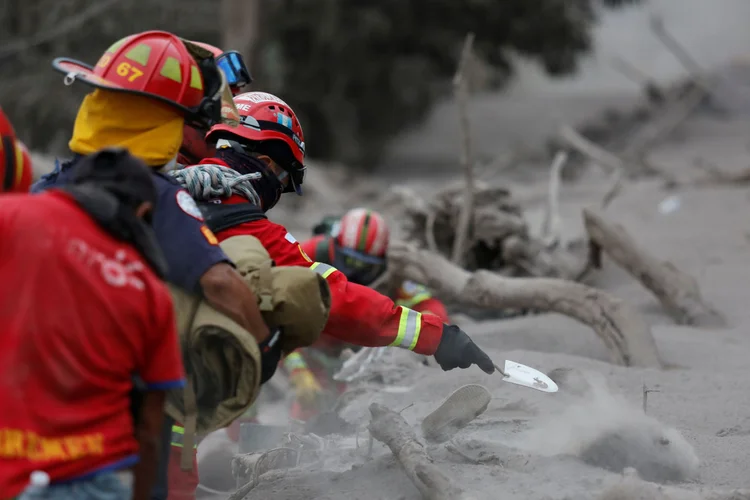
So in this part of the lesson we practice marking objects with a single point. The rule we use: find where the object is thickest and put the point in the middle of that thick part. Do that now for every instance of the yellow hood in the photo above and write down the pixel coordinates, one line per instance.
(150, 130)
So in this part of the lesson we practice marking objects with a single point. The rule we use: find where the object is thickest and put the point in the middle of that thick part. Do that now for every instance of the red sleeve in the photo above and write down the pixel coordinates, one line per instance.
(163, 368)
(310, 245)
(359, 315)
(433, 306)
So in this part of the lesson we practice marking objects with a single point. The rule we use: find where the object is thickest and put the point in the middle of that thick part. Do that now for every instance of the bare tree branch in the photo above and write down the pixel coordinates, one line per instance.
(67, 26)
(461, 86)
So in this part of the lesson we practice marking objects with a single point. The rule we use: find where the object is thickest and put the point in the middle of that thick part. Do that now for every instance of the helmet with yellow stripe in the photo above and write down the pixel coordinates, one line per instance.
(162, 66)
(15, 161)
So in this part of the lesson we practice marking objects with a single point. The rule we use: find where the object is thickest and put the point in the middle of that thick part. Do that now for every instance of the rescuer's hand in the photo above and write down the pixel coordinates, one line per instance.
(457, 350)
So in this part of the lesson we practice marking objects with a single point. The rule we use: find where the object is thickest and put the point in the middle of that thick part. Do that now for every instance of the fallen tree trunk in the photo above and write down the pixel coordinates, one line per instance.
(391, 429)
(624, 332)
(633, 488)
(677, 292)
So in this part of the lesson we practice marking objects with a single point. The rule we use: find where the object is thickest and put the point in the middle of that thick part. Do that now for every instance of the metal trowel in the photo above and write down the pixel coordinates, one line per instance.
(523, 375)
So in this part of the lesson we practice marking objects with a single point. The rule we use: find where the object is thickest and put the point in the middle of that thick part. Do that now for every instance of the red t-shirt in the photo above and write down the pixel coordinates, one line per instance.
(80, 312)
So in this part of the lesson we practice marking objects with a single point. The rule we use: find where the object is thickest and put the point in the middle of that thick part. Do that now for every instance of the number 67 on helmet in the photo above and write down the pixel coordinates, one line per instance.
(165, 67)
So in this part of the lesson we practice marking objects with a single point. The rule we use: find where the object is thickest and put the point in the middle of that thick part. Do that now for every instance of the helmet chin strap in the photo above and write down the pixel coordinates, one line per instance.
(225, 144)
(283, 175)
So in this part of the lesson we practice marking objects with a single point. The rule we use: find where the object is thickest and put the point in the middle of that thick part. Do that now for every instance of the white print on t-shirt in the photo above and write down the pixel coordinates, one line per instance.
(115, 271)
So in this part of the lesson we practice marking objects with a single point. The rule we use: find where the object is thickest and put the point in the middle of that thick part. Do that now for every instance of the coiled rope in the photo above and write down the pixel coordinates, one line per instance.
(208, 182)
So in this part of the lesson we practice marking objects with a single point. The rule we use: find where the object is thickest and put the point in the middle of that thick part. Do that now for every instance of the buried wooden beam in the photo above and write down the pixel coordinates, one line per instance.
(678, 292)
(624, 332)
(391, 429)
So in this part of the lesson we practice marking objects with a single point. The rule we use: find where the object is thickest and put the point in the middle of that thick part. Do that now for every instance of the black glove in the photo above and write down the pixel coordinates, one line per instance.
(457, 350)
(270, 355)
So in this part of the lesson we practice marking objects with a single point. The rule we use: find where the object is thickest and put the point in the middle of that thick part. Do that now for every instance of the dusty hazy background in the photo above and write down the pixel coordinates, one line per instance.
(714, 33)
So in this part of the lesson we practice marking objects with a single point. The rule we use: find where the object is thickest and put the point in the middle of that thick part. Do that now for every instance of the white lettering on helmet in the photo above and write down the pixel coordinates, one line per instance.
(243, 107)
(258, 97)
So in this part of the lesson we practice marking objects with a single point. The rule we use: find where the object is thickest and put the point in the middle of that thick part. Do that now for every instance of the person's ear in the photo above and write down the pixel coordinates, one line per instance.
(266, 159)
(144, 210)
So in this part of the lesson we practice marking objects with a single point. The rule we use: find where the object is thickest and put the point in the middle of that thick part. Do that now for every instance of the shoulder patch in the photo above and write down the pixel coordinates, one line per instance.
(291, 239)
(209, 235)
(188, 205)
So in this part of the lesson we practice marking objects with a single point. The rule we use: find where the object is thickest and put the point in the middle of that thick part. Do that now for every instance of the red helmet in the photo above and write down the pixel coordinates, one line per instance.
(163, 66)
(216, 51)
(15, 162)
(266, 119)
(364, 231)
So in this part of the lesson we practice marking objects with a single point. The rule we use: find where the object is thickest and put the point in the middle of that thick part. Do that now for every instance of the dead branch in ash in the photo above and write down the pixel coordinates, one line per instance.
(390, 428)
(677, 292)
(551, 226)
(633, 488)
(461, 89)
(717, 177)
(500, 239)
(624, 332)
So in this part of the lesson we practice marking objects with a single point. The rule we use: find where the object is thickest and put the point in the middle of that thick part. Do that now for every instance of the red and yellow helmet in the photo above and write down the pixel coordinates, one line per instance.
(163, 66)
(266, 118)
(364, 231)
(15, 162)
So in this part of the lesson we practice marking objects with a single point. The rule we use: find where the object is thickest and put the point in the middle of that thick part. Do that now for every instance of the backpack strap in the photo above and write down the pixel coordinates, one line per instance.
(191, 421)
(219, 217)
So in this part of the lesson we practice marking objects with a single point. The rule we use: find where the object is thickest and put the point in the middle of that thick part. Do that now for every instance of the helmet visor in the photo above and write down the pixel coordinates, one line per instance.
(221, 107)
(358, 267)
(235, 69)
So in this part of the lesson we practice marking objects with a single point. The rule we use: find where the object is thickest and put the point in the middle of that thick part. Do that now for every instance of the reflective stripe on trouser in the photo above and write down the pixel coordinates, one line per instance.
(323, 269)
(408, 329)
(177, 434)
(294, 361)
(413, 301)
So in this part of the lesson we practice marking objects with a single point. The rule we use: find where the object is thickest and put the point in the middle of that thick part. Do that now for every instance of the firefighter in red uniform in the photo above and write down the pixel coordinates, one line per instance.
(15, 163)
(257, 162)
(356, 245)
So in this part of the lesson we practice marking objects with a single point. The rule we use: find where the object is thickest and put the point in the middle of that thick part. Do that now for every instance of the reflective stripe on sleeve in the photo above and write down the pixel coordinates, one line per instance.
(323, 269)
(413, 301)
(177, 435)
(408, 329)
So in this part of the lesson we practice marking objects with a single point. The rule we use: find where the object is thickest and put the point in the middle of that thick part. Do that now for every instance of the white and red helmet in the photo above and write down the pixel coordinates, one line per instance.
(265, 118)
(364, 231)
(360, 245)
